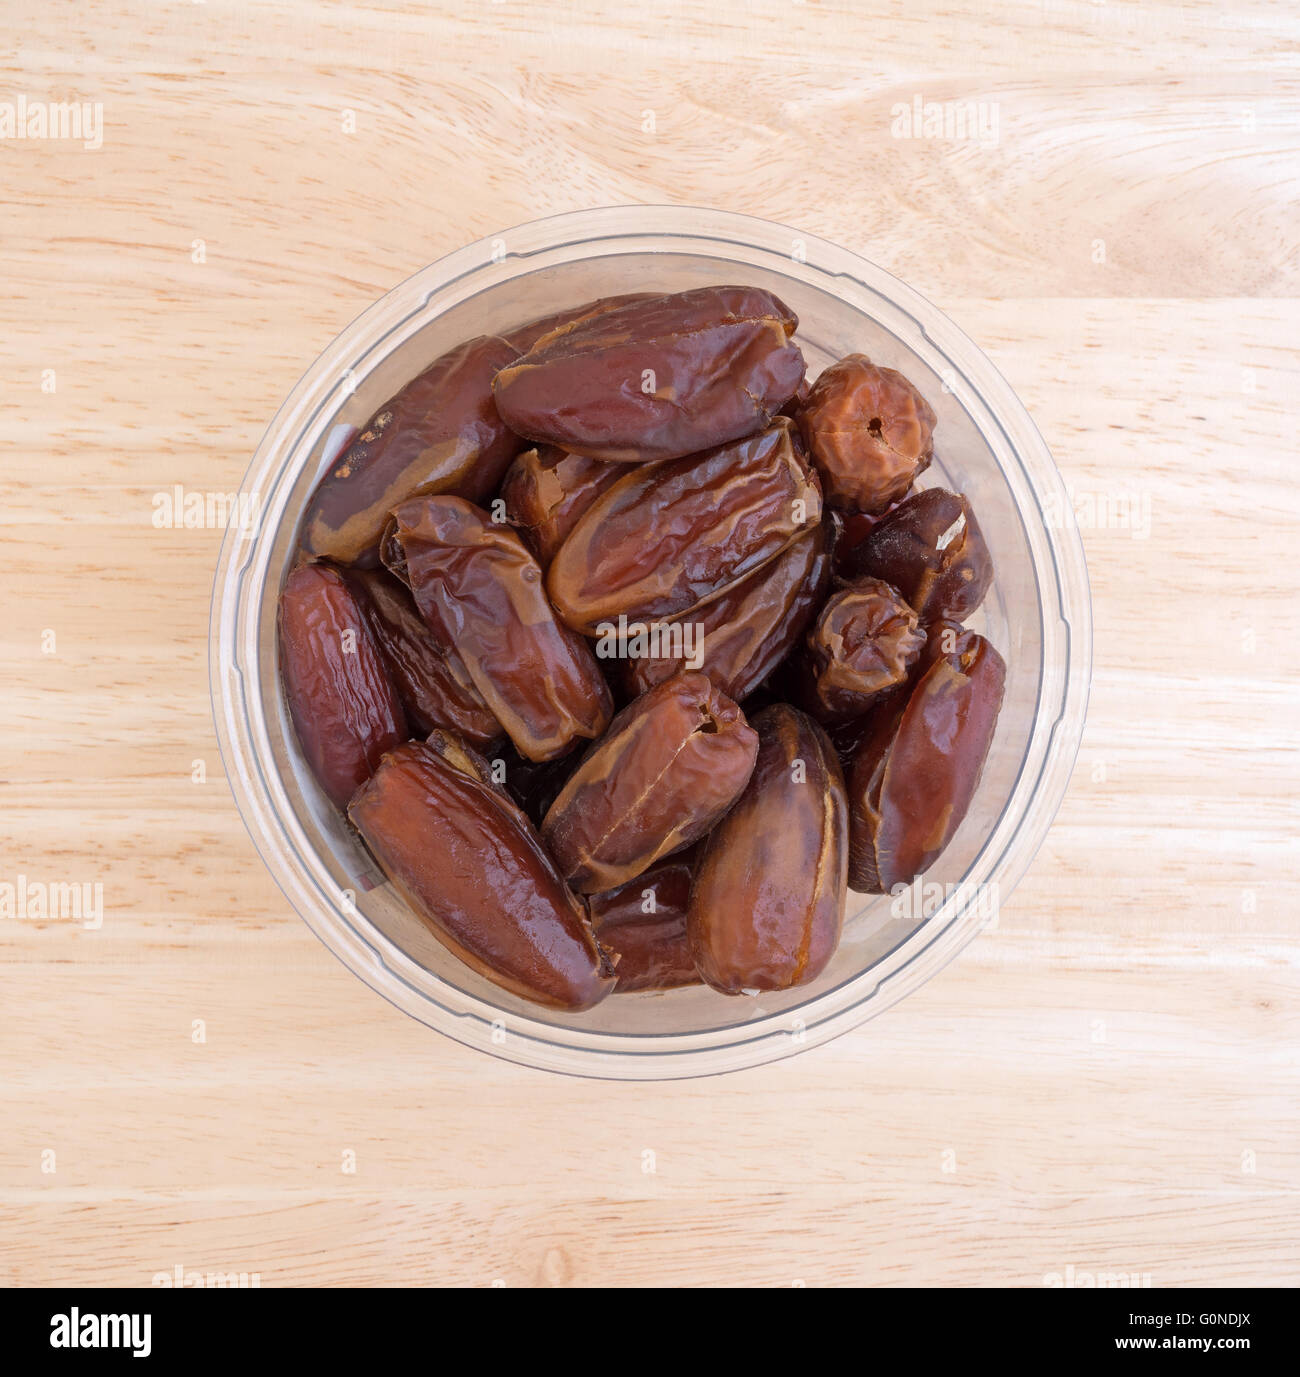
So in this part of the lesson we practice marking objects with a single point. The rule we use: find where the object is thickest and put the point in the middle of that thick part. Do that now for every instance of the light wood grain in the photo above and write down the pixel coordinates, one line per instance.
(1111, 1079)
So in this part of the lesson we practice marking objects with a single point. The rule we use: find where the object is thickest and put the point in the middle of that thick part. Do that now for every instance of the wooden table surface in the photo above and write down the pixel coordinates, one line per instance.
(1109, 1082)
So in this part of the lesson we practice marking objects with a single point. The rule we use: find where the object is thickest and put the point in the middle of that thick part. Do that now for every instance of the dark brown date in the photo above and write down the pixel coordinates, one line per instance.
(480, 590)
(946, 638)
(767, 901)
(670, 537)
(864, 641)
(670, 766)
(547, 489)
(440, 433)
(857, 527)
(659, 378)
(642, 924)
(471, 867)
(344, 706)
(870, 433)
(523, 337)
(430, 676)
(932, 550)
(916, 768)
(747, 631)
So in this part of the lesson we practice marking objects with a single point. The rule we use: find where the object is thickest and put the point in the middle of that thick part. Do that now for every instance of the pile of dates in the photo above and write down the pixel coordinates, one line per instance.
(627, 651)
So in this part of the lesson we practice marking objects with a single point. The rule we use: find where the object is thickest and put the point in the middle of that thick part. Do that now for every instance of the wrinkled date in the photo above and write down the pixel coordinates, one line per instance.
(744, 634)
(768, 896)
(870, 433)
(440, 433)
(669, 537)
(547, 489)
(430, 676)
(344, 706)
(932, 550)
(642, 924)
(480, 590)
(864, 641)
(670, 766)
(472, 868)
(657, 379)
(915, 770)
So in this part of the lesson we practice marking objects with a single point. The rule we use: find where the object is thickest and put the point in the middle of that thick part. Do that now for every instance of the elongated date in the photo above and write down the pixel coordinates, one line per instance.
(915, 770)
(932, 550)
(440, 433)
(547, 489)
(870, 433)
(480, 590)
(746, 632)
(864, 641)
(659, 378)
(343, 702)
(672, 763)
(431, 678)
(642, 924)
(523, 337)
(470, 865)
(670, 537)
(767, 900)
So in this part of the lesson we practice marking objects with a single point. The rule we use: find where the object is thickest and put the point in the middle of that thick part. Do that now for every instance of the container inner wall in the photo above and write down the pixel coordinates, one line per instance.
(832, 324)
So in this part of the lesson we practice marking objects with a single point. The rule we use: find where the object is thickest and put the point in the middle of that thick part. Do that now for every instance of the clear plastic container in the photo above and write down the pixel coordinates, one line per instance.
(1038, 614)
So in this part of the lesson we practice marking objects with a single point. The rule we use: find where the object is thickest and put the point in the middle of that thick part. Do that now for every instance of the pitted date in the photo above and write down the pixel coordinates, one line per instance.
(864, 641)
(870, 433)
(642, 924)
(932, 550)
(430, 676)
(657, 379)
(344, 705)
(479, 589)
(744, 634)
(471, 867)
(440, 433)
(672, 763)
(916, 768)
(768, 897)
(670, 537)
(547, 489)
